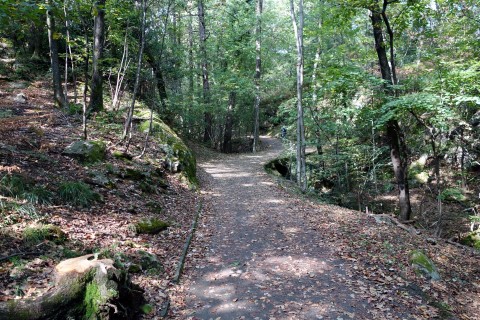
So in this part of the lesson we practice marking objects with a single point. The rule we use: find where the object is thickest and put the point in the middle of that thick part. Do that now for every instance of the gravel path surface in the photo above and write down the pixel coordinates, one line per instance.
(264, 260)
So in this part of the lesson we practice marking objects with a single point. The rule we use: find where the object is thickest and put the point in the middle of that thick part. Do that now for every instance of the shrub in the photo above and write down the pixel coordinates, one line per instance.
(38, 195)
(77, 194)
(452, 194)
(13, 185)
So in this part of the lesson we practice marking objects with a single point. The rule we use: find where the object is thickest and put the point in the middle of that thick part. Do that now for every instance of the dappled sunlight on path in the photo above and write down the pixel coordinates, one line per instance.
(264, 261)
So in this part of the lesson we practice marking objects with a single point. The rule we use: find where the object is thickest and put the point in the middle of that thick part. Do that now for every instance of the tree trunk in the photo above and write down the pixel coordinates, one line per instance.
(298, 29)
(96, 89)
(128, 123)
(396, 139)
(85, 288)
(258, 74)
(57, 84)
(227, 137)
(208, 118)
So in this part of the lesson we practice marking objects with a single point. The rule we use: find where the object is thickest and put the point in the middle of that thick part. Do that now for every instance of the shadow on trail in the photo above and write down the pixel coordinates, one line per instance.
(264, 260)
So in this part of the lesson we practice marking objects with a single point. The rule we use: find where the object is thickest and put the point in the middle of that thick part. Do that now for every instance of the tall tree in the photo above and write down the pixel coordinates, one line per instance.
(258, 73)
(395, 135)
(208, 132)
(128, 123)
(59, 96)
(298, 23)
(96, 93)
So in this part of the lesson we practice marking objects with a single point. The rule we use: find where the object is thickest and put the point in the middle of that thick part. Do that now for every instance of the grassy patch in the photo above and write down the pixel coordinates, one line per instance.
(77, 194)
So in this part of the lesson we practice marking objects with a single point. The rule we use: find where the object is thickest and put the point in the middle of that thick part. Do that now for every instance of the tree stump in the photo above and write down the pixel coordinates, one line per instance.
(85, 288)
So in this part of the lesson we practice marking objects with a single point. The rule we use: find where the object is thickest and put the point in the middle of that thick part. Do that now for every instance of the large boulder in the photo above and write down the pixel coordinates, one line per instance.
(86, 151)
(179, 158)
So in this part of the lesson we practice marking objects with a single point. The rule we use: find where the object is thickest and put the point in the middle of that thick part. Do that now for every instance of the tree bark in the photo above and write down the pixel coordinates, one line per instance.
(57, 84)
(300, 157)
(128, 123)
(72, 298)
(96, 88)
(396, 139)
(258, 73)
(208, 118)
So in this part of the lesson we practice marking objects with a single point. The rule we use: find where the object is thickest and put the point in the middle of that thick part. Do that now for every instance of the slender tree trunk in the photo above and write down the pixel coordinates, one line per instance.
(69, 53)
(208, 132)
(128, 123)
(298, 29)
(396, 139)
(57, 83)
(227, 137)
(122, 70)
(85, 86)
(258, 73)
(96, 88)
(191, 72)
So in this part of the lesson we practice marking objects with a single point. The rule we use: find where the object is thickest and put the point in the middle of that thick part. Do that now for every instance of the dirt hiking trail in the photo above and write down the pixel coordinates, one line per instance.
(265, 259)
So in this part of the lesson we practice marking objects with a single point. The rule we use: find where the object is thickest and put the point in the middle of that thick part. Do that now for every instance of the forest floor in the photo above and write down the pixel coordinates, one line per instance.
(262, 251)
(33, 136)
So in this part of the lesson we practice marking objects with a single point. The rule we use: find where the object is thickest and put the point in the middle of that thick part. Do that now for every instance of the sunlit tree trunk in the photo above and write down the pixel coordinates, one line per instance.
(258, 73)
(128, 123)
(57, 84)
(298, 29)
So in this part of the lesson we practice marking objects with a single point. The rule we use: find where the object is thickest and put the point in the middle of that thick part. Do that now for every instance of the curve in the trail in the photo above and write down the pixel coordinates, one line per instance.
(264, 261)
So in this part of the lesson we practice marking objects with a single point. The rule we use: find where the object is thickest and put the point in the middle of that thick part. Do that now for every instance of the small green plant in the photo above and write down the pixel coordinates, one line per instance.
(452, 194)
(75, 108)
(147, 186)
(77, 194)
(25, 210)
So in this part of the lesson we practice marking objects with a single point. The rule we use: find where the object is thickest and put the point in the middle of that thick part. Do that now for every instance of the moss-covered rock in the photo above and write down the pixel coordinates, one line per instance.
(422, 263)
(86, 151)
(152, 226)
(100, 179)
(179, 157)
(40, 232)
(472, 240)
(134, 174)
(122, 155)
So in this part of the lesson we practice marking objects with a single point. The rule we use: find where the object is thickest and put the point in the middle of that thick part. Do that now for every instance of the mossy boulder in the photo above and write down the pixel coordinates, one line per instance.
(98, 178)
(122, 155)
(472, 240)
(179, 158)
(423, 264)
(151, 226)
(86, 151)
(38, 233)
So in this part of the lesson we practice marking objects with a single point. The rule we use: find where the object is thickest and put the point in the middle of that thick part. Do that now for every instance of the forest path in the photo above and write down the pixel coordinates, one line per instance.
(264, 260)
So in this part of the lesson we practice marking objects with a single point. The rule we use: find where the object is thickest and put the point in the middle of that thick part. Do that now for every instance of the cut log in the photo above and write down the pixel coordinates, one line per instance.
(86, 288)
